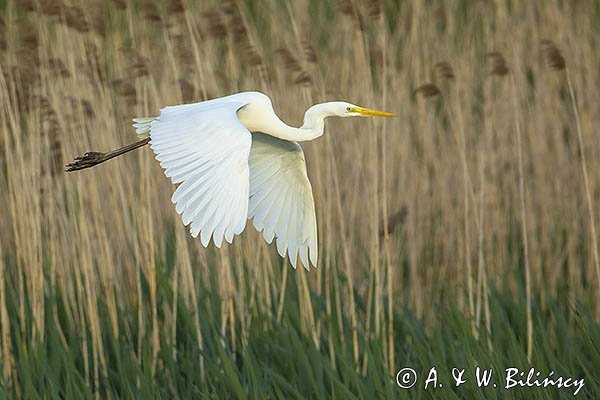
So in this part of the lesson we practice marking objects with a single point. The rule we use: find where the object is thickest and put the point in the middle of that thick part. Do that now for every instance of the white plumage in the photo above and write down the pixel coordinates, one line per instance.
(235, 160)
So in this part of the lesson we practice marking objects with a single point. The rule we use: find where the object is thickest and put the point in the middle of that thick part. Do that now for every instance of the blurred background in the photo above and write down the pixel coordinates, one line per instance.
(463, 230)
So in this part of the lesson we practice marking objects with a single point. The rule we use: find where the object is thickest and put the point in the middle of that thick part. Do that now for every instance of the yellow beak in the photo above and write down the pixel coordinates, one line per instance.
(367, 112)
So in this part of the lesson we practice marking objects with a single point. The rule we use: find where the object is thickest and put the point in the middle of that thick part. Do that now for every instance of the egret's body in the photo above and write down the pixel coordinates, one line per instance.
(235, 160)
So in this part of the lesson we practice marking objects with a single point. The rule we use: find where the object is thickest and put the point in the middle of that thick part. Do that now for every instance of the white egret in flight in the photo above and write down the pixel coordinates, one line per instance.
(235, 160)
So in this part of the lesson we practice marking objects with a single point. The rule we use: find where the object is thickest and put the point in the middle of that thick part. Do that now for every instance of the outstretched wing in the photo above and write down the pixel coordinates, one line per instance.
(205, 148)
(281, 200)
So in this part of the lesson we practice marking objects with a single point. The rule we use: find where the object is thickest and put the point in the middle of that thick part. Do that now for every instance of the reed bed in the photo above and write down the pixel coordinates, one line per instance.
(485, 188)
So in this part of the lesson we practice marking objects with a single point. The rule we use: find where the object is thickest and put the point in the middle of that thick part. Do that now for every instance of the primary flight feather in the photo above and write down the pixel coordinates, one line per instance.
(235, 160)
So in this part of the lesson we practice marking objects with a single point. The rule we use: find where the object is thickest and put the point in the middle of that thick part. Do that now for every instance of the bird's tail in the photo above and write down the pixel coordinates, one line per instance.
(142, 125)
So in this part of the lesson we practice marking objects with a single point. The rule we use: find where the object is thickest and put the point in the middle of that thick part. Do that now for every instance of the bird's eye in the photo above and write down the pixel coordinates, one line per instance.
(348, 109)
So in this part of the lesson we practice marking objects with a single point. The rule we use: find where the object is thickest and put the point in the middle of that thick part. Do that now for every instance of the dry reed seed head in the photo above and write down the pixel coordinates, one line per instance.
(50, 128)
(303, 79)
(265, 73)
(290, 62)
(92, 61)
(346, 7)
(137, 65)
(124, 89)
(120, 4)
(58, 68)
(184, 54)
(216, 27)
(27, 34)
(138, 70)
(237, 26)
(98, 19)
(439, 13)
(374, 9)
(229, 7)
(27, 5)
(74, 17)
(46, 110)
(553, 55)
(21, 85)
(496, 64)
(54, 161)
(251, 56)
(376, 55)
(309, 52)
(174, 7)
(51, 7)
(28, 59)
(428, 90)
(360, 22)
(188, 90)
(151, 11)
(83, 104)
(444, 71)
(396, 220)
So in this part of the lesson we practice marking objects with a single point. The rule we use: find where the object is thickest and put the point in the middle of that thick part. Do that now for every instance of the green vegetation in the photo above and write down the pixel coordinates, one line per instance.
(461, 234)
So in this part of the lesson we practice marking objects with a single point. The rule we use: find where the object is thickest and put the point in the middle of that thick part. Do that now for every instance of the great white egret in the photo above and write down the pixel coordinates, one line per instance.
(235, 160)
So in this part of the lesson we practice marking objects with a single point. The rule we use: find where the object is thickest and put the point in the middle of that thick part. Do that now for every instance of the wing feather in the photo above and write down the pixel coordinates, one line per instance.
(281, 200)
(205, 149)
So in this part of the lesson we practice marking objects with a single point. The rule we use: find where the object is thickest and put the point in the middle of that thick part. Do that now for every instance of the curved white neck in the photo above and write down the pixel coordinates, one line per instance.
(312, 128)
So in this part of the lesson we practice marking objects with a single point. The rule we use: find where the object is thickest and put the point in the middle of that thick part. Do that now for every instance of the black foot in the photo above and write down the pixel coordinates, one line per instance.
(87, 160)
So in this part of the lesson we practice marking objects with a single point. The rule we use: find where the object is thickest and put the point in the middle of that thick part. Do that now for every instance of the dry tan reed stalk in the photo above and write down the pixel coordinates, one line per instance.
(6, 344)
(3, 44)
(458, 129)
(497, 66)
(189, 290)
(556, 61)
(227, 305)
(362, 70)
(389, 345)
(351, 309)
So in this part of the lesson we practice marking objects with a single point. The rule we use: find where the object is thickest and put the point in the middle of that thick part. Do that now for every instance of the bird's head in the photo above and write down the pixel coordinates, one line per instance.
(343, 109)
(314, 117)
